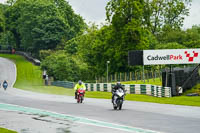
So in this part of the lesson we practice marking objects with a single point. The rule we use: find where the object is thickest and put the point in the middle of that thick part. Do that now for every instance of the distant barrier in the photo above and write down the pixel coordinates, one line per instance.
(26, 55)
(65, 84)
(152, 90)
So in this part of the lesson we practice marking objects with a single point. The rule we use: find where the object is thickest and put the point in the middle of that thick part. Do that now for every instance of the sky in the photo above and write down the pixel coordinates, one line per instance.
(94, 11)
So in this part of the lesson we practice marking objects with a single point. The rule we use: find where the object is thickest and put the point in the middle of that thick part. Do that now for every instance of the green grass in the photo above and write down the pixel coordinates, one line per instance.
(155, 81)
(50, 90)
(195, 89)
(3, 130)
(27, 73)
(179, 100)
(29, 77)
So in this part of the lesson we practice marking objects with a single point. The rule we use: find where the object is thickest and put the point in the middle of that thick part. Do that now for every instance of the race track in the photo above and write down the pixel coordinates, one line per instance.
(94, 115)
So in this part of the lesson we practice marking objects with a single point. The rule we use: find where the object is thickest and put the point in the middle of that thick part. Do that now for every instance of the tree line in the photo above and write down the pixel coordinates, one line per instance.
(70, 49)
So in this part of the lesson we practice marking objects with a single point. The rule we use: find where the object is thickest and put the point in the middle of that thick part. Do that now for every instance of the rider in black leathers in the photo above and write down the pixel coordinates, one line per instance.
(5, 84)
(116, 87)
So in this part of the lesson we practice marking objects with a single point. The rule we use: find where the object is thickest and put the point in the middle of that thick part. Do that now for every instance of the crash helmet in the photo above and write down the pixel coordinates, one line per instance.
(118, 83)
(80, 82)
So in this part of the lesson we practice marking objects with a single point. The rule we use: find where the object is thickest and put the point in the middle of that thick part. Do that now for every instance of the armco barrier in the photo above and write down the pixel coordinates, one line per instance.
(152, 90)
(26, 55)
(64, 84)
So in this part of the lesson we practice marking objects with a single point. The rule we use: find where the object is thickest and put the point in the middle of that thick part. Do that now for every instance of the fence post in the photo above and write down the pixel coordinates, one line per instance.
(153, 76)
(125, 76)
(136, 76)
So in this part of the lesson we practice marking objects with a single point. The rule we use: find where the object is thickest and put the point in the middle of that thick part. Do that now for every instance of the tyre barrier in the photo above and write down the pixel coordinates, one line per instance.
(151, 90)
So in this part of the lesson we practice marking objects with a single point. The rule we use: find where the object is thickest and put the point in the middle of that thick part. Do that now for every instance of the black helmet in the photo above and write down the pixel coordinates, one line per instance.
(80, 82)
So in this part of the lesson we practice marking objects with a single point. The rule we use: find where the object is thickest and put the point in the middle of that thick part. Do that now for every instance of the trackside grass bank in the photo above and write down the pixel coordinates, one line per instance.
(156, 81)
(3, 130)
(29, 77)
(27, 73)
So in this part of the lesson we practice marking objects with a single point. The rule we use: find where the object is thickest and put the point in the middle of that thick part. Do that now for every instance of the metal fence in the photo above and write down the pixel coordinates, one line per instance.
(132, 76)
(65, 84)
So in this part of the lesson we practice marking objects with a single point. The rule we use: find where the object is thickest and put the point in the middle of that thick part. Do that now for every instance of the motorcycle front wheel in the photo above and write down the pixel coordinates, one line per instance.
(78, 99)
(81, 99)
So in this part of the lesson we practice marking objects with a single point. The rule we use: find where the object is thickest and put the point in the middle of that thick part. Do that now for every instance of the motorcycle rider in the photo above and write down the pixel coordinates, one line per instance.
(5, 84)
(115, 88)
(78, 86)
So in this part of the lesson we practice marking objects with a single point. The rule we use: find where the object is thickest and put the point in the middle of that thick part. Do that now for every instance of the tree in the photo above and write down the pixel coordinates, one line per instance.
(126, 18)
(63, 66)
(172, 45)
(192, 37)
(162, 13)
(2, 22)
(11, 2)
(42, 24)
(75, 22)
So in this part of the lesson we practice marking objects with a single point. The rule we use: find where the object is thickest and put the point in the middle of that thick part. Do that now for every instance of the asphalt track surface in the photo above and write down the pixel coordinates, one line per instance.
(137, 116)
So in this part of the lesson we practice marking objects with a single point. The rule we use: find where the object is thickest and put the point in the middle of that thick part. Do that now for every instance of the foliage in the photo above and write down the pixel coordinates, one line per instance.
(62, 66)
(45, 53)
(159, 14)
(172, 45)
(2, 22)
(128, 32)
(195, 89)
(7, 39)
(42, 24)
(59, 65)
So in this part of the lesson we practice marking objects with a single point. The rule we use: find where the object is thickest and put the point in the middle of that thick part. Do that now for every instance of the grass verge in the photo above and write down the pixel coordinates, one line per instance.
(195, 89)
(155, 81)
(3, 130)
(27, 73)
(29, 77)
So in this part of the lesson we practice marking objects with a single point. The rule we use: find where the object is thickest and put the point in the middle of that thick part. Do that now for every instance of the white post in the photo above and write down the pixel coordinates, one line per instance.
(107, 70)
(143, 74)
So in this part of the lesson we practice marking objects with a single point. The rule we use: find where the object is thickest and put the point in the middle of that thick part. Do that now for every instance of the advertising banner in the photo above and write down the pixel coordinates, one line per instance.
(171, 56)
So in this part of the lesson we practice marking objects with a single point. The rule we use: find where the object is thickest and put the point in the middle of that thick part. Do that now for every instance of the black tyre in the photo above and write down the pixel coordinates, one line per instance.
(120, 106)
(78, 99)
(81, 99)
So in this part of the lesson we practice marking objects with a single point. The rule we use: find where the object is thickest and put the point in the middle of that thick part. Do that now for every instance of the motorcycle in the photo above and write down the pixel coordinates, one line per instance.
(118, 99)
(80, 95)
(5, 85)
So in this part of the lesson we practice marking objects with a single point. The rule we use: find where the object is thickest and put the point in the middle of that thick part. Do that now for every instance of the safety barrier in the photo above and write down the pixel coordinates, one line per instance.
(26, 55)
(65, 84)
(152, 90)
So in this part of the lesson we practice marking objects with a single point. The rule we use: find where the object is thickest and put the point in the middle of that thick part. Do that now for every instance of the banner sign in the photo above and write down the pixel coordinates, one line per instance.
(171, 56)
